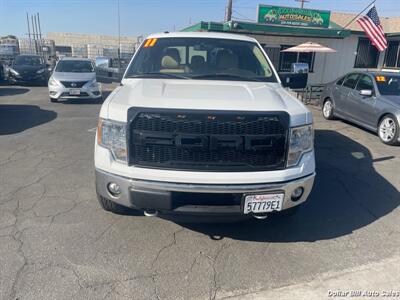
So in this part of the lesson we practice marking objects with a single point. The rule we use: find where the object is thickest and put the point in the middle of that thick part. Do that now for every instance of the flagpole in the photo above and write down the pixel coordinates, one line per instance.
(352, 20)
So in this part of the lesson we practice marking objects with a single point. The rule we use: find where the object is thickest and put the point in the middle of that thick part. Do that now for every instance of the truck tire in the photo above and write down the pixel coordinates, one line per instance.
(110, 206)
(53, 100)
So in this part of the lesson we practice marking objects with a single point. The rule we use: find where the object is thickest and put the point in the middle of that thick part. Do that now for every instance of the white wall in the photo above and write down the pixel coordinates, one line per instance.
(329, 66)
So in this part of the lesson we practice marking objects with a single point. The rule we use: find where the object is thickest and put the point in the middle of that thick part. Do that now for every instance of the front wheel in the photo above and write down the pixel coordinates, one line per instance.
(388, 130)
(53, 100)
(327, 109)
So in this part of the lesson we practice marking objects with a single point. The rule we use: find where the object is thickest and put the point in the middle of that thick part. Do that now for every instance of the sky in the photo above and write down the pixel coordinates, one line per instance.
(142, 17)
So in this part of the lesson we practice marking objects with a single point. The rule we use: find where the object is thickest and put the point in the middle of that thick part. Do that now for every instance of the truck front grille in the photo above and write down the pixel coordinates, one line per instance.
(207, 140)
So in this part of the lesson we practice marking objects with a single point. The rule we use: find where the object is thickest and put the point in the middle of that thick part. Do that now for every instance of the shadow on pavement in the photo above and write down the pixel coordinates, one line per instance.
(11, 91)
(348, 194)
(17, 118)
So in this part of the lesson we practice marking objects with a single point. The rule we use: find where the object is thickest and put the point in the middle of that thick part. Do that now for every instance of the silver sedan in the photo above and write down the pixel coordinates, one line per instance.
(74, 78)
(368, 99)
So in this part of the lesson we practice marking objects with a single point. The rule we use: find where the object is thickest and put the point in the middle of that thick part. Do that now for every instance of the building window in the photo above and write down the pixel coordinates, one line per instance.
(392, 55)
(367, 54)
(273, 54)
(288, 58)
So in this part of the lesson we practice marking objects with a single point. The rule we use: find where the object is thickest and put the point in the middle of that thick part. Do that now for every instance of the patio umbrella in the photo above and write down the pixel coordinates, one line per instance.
(310, 47)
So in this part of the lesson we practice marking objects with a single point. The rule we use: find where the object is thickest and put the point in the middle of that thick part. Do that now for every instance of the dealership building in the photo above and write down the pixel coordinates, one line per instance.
(278, 28)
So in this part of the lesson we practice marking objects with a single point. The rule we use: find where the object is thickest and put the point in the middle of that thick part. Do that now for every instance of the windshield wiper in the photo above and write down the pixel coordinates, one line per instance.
(226, 75)
(157, 75)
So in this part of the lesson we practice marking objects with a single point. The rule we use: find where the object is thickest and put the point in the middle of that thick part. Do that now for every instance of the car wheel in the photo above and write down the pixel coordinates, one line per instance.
(388, 130)
(327, 109)
(110, 206)
(53, 100)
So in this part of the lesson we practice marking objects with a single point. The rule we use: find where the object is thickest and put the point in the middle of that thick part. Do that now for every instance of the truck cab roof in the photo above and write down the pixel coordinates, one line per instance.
(216, 35)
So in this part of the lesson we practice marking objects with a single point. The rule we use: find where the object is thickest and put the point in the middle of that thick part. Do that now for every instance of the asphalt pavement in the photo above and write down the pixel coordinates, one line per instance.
(57, 243)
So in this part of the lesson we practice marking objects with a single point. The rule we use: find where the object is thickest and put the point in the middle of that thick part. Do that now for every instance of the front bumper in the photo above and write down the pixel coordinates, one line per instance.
(170, 197)
(28, 79)
(62, 92)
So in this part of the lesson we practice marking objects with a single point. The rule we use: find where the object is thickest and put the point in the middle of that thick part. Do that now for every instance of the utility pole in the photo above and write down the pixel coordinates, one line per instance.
(40, 35)
(34, 35)
(119, 39)
(302, 2)
(228, 16)
(37, 34)
(29, 33)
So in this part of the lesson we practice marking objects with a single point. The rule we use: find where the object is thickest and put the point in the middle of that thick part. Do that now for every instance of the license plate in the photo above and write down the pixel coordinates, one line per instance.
(74, 91)
(262, 203)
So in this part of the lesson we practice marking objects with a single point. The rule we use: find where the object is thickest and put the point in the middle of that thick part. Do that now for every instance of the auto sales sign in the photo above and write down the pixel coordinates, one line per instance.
(291, 16)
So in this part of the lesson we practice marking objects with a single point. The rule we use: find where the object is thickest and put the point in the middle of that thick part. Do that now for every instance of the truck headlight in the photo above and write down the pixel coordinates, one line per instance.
(112, 135)
(301, 141)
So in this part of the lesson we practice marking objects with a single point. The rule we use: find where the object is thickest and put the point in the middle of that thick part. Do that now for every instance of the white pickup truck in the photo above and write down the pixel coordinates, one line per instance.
(201, 125)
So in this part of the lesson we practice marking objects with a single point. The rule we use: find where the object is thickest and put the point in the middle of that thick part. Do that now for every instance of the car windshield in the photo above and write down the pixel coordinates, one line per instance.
(388, 85)
(201, 58)
(75, 66)
(28, 60)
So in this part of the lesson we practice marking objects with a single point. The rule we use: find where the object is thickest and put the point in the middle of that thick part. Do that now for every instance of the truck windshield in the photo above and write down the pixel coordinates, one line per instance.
(28, 60)
(201, 58)
(75, 66)
(388, 85)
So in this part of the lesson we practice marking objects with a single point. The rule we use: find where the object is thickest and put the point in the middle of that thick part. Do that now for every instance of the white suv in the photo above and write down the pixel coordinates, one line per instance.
(201, 125)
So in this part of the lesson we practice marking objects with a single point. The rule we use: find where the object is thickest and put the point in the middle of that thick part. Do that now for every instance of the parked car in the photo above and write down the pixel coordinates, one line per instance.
(74, 78)
(201, 124)
(368, 99)
(2, 70)
(28, 69)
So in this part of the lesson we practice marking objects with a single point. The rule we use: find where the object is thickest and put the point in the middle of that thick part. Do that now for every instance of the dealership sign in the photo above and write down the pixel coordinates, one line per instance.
(291, 16)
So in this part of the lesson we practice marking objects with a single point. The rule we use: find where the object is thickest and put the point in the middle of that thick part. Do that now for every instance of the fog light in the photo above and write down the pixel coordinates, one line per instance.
(297, 193)
(114, 189)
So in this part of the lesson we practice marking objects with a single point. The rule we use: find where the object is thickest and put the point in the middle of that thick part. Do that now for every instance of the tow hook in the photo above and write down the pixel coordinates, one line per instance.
(260, 216)
(150, 213)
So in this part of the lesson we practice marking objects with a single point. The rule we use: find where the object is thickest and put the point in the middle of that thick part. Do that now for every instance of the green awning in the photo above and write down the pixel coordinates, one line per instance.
(255, 28)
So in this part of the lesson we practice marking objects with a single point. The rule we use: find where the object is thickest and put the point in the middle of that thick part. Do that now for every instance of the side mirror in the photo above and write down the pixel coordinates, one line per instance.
(366, 93)
(299, 68)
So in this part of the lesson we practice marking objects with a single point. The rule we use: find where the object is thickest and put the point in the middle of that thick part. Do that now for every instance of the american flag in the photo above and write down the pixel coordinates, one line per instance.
(372, 26)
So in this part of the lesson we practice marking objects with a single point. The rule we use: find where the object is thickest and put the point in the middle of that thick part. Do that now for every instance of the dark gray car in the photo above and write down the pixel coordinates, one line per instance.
(369, 99)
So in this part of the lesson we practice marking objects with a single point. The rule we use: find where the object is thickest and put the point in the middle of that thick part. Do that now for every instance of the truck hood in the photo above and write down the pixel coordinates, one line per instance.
(204, 95)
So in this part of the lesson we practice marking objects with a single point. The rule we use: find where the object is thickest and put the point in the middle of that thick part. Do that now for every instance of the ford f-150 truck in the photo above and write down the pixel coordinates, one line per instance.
(201, 125)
